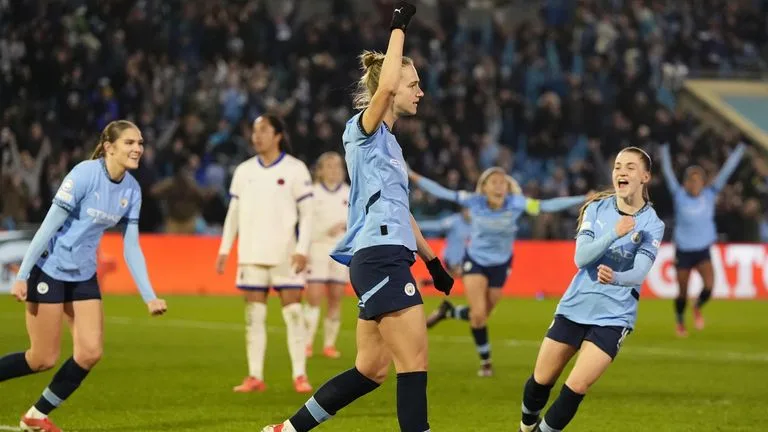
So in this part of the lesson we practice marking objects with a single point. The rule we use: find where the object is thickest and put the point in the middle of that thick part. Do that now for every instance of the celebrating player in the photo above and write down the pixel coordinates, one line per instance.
(494, 209)
(619, 235)
(57, 277)
(695, 230)
(379, 248)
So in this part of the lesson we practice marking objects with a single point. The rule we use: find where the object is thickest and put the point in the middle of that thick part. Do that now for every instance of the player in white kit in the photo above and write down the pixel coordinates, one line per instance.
(324, 275)
(270, 192)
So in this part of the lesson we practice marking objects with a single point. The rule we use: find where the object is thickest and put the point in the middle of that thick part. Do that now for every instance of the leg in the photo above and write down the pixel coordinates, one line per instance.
(493, 298)
(371, 368)
(315, 291)
(405, 333)
(255, 340)
(476, 286)
(333, 319)
(590, 365)
(44, 330)
(683, 275)
(552, 358)
(86, 320)
(253, 282)
(708, 275)
(290, 297)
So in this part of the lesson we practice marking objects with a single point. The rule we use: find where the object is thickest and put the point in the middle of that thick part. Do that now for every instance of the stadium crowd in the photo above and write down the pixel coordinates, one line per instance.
(551, 96)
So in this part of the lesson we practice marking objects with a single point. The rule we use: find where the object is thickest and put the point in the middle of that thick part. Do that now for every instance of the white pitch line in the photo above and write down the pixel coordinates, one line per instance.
(631, 350)
(9, 428)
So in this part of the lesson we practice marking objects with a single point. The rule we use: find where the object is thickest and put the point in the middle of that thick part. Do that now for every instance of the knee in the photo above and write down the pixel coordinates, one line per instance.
(374, 372)
(577, 385)
(40, 361)
(88, 357)
(545, 379)
(477, 317)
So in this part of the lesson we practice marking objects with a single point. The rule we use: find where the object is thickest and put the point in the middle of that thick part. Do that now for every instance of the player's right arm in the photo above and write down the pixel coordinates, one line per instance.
(669, 173)
(389, 78)
(588, 248)
(70, 193)
(438, 225)
(433, 188)
(231, 222)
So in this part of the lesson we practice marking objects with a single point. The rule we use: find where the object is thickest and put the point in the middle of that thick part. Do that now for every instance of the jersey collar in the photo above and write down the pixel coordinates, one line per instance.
(106, 173)
(334, 190)
(277, 161)
(639, 212)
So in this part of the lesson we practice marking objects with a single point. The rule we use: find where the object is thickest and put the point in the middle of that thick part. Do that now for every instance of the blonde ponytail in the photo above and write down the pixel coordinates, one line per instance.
(371, 63)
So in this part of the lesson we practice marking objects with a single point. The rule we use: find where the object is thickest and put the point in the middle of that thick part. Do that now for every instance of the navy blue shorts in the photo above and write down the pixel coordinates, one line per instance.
(607, 338)
(496, 274)
(690, 259)
(41, 288)
(382, 280)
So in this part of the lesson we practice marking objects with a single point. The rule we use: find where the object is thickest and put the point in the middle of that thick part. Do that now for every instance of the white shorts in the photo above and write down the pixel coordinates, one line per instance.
(254, 277)
(323, 269)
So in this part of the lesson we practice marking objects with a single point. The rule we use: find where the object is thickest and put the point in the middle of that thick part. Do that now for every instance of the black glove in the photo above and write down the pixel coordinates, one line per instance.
(442, 280)
(402, 15)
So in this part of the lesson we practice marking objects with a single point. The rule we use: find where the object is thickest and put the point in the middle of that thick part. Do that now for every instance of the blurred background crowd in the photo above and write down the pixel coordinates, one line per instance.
(549, 90)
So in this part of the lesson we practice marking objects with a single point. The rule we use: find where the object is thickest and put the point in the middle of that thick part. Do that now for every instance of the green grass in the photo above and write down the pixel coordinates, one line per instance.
(176, 373)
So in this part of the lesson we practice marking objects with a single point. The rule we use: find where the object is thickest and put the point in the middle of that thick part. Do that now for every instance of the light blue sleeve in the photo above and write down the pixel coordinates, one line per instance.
(730, 166)
(136, 263)
(75, 186)
(433, 188)
(562, 203)
(135, 210)
(439, 225)
(636, 275)
(645, 257)
(668, 171)
(354, 133)
(53, 221)
(588, 248)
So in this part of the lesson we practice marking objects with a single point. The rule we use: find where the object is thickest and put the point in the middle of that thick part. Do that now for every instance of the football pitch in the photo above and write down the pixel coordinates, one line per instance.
(176, 373)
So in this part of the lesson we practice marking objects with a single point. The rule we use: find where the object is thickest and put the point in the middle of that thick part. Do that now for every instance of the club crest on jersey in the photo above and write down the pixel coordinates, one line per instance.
(280, 182)
(637, 237)
(124, 203)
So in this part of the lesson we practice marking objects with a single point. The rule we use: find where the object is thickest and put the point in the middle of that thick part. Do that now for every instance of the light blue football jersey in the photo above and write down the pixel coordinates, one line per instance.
(587, 301)
(695, 227)
(457, 234)
(95, 203)
(493, 231)
(379, 212)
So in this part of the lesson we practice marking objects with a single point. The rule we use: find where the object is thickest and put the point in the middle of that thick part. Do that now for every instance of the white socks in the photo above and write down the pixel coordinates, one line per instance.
(256, 338)
(33, 413)
(331, 331)
(312, 320)
(294, 324)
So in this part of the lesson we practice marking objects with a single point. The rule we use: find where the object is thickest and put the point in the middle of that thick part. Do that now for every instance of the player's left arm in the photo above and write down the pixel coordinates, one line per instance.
(534, 206)
(442, 280)
(729, 167)
(302, 193)
(134, 258)
(422, 247)
(644, 259)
